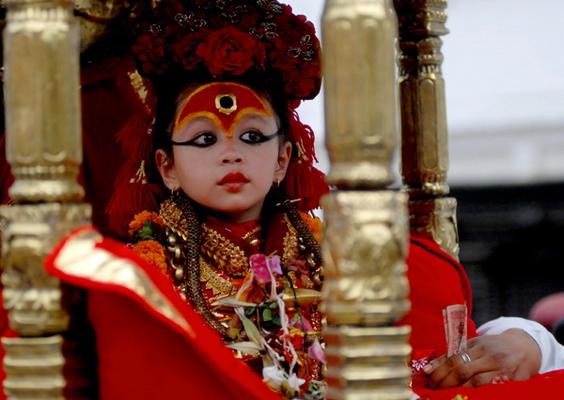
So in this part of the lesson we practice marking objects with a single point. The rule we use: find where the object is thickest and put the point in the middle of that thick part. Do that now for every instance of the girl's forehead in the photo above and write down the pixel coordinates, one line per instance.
(224, 103)
(208, 122)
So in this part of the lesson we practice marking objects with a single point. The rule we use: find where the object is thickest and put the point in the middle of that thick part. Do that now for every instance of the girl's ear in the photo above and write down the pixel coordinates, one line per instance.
(165, 165)
(284, 156)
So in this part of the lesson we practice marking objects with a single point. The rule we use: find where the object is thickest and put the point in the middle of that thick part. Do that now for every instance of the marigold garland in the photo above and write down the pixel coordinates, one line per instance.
(314, 225)
(141, 219)
(152, 252)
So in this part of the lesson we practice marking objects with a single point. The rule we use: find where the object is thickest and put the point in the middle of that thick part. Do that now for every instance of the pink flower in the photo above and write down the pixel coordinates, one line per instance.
(316, 352)
(301, 323)
(262, 267)
(274, 264)
(260, 270)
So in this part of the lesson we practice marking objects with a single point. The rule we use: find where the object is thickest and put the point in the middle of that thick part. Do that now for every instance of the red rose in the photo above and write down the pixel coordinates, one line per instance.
(232, 51)
(150, 52)
(185, 50)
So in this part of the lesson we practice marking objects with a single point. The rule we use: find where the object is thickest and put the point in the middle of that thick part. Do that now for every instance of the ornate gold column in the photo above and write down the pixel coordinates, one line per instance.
(424, 127)
(365, 288)
(41, 86)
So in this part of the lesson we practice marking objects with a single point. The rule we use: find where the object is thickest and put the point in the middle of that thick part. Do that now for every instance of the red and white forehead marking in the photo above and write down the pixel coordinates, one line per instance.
(224, 103)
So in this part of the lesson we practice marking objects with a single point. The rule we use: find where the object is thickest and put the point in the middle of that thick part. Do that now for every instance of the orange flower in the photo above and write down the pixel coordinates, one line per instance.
(140, 219)
(313, 224)
(152, 252)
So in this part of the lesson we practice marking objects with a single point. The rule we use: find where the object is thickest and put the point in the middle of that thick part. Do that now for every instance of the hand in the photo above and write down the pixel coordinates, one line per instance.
(512, 355)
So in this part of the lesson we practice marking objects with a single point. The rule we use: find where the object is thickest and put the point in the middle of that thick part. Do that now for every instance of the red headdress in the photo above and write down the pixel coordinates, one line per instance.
(222, 40)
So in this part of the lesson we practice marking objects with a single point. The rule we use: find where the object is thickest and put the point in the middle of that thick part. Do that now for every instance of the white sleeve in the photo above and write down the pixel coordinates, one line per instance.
(552, 352)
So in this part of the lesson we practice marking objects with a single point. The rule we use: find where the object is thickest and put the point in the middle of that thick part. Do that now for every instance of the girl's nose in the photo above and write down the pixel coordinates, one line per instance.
(231, 157)
(230, 154)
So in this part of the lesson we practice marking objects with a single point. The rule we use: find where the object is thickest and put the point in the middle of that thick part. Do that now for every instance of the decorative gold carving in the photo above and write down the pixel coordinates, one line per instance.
(32, 297)
(424, 126)
(365, 240)
(422, 17)
(425, 137)
(365, 247)
(94, 16)
(422, 88)
(34, 368)
(436, 220)
(41, 60)
(368, 363)
(360, 91)
(213, 281)
(43, 143)
(227, 256)
(173, 218)
(290, 242)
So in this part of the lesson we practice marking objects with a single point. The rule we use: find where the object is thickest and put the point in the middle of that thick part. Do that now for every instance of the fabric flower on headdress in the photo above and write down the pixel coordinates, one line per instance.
(231, 51)
(185, 52)
(151, 52)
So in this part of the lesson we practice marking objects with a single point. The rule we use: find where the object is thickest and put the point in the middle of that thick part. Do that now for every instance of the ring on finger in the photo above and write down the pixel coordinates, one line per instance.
(465, 357)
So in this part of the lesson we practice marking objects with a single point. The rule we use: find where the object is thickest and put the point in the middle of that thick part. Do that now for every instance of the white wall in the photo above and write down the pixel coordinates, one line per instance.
(504, 70)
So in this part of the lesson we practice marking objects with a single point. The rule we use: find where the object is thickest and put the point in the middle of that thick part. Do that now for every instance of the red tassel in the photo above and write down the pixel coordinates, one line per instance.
(306, 183)
(132, 195)
(303, 138)
(135, 136)
(129, 200)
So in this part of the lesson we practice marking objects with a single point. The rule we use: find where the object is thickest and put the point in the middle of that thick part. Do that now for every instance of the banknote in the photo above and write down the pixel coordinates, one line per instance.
(455, 318)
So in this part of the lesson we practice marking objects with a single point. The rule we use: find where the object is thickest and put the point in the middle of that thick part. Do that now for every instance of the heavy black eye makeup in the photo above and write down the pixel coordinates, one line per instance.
(204, 139)
(253, 136)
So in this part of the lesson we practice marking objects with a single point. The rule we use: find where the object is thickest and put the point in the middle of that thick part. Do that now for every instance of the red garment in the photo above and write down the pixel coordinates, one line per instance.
(147, 348)
(436, 281)
(144, 354)
(541, 387)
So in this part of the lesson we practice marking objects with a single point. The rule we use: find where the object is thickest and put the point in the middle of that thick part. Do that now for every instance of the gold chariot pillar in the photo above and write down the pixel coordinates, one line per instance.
(365, 244)
(41, 86)
(424, 128)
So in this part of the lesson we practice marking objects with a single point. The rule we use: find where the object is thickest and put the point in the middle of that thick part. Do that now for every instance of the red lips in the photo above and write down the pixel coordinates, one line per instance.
(234, 177)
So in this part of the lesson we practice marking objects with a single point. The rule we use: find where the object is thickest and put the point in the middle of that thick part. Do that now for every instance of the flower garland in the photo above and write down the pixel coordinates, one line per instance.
(265, 324)
(147, 228)
(273, 321)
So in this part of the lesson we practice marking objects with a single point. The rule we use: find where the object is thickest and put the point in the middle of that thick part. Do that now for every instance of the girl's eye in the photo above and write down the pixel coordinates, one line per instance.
(203, 140)
(255, 137)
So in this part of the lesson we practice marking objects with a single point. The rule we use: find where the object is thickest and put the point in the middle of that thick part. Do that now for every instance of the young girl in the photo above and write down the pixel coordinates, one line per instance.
(218, 129)
(234, 236)
(235, 246)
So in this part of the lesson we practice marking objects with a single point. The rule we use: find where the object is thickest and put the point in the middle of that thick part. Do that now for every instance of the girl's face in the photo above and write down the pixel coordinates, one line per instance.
(226, 150)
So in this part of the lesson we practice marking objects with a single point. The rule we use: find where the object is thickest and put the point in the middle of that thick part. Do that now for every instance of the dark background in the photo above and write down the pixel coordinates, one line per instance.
(512, 245)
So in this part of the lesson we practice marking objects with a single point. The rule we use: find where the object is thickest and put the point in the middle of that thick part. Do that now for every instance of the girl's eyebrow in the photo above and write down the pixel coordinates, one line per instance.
(251, 117)
(200, 122)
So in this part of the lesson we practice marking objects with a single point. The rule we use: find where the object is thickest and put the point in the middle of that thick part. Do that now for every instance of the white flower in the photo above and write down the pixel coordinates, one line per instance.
(273, 377)
(294, 382)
